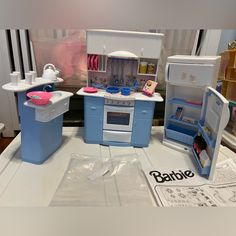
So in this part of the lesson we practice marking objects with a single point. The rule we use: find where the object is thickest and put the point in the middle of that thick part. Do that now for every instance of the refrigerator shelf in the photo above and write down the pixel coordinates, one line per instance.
(183, 102)
(181, 122)
(180, 134)
(202, 170)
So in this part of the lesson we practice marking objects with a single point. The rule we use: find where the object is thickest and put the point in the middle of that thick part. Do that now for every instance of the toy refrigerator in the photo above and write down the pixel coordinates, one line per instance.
(195, 113)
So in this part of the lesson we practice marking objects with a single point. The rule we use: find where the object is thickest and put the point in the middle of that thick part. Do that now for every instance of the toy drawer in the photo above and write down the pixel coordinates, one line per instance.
(52, 111)
(144, 110)
(191, 74)
(93, 106)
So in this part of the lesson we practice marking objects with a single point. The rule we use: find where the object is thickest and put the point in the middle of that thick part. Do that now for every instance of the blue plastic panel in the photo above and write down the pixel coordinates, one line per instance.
(141, 132)
(144, 110)
(93, 106)
(93, 119)
(93, 129)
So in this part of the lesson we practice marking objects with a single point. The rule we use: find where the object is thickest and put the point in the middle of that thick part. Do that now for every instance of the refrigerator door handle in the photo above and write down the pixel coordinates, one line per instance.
(167, 72)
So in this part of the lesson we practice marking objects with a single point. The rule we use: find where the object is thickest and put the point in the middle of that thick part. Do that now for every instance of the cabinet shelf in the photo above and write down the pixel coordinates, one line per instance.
(183, 102)
(142, 74)
(181, 122)
(201, 170)
(99, 71)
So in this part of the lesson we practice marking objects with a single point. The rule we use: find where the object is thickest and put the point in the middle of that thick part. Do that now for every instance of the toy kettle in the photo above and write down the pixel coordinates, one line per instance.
(50, 72)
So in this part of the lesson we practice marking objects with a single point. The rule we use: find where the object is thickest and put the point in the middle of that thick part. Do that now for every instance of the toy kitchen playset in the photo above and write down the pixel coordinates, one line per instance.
(195, 114)
(119, 99)
(40, 113)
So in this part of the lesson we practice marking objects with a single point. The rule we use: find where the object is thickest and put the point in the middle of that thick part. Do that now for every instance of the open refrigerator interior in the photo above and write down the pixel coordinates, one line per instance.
(195, 114)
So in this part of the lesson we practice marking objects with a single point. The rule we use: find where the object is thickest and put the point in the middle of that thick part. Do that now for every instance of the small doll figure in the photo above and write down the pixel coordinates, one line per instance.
(149, 87)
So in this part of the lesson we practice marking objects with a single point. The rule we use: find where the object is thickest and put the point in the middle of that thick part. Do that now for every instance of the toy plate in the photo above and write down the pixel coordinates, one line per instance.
(90, 90)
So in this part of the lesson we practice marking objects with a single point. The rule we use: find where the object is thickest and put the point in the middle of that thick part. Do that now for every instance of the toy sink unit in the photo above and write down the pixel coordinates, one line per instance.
(57, 105)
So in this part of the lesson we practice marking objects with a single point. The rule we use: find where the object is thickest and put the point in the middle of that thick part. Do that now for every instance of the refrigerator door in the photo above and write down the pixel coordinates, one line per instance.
(214, 118)
(216, 112)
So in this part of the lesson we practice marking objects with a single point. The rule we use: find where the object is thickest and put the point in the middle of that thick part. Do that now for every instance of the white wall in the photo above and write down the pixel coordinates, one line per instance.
(8, 110)
(211, 43)
(226, 37)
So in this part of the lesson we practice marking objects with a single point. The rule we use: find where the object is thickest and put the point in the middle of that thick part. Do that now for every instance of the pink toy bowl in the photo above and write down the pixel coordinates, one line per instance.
(39, 97)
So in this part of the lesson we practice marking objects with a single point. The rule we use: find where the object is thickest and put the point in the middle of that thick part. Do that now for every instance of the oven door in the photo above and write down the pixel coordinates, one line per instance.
(118, 118)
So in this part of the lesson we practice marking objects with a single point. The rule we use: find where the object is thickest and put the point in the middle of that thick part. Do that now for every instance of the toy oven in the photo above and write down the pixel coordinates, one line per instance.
(118, 118)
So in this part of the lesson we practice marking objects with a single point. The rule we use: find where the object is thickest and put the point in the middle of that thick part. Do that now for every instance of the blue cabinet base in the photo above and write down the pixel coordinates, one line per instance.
(39, 140)
(94, 118)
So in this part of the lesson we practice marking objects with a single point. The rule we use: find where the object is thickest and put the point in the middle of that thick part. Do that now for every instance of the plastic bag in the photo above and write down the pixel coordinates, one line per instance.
(91, 181)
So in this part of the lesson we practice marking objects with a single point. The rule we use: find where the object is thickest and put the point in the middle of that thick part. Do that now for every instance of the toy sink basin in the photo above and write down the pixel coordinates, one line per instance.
(39, 97)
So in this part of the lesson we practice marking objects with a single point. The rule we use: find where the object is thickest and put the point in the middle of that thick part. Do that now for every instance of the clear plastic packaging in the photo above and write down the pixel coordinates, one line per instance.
(92, 181)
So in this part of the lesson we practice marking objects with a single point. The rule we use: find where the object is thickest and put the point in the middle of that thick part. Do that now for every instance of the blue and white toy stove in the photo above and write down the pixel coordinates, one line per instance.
(116, 120)
(122, 61)
(41, 126)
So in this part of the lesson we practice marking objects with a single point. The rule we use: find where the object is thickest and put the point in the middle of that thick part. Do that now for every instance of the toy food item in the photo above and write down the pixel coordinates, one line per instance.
(188, 120)
(143, 67)
(179, 113)
(150, 68)
(149, 87)
(199, 144)
(204, 159)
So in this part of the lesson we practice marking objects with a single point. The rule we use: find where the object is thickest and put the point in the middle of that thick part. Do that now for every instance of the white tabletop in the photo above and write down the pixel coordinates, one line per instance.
(25, 184)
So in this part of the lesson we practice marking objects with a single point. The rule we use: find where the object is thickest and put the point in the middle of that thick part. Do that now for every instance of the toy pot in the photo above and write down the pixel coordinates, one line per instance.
(49, 72)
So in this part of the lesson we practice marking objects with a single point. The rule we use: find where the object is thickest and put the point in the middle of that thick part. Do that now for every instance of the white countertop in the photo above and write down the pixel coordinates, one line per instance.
(133, 96)
(22, 86)
(25, 184)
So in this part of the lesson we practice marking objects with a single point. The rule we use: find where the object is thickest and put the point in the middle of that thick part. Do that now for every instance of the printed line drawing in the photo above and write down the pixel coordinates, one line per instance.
(233, 198)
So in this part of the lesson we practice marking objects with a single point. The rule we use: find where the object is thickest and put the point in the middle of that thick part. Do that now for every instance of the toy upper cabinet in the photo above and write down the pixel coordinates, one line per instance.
(143, 45)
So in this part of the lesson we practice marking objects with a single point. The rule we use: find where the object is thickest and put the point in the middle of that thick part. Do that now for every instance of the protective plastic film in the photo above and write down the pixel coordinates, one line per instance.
(92, 181)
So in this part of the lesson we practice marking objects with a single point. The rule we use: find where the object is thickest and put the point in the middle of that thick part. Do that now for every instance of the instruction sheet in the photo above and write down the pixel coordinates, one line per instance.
(183, 187)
